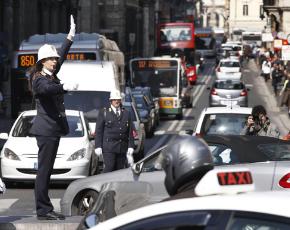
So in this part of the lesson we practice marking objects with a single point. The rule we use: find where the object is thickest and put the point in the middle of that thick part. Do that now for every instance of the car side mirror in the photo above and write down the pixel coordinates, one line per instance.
(137, 168)
(91, 220)
(4, 136)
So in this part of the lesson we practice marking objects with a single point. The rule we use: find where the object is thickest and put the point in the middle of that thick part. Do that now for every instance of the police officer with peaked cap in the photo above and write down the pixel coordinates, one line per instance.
(185, 161)
(114, 137)
(50, 122)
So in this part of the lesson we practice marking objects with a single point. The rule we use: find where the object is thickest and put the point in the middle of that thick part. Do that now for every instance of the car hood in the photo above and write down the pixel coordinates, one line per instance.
(66, 145)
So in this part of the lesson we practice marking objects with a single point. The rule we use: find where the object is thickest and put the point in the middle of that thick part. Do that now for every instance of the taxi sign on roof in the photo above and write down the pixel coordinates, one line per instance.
(225, 181)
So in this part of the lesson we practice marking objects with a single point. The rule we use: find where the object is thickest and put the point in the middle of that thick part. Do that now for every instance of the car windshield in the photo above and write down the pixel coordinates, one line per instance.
(24, 124)
(228, 85)
(223, 123)
(276, 151)
(230, 64)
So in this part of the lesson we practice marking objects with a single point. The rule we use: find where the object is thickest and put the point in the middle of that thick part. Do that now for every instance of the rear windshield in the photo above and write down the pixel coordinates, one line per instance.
(275, 151)
(24, 124)
(230, 64)
(229, 85)
(227, 123)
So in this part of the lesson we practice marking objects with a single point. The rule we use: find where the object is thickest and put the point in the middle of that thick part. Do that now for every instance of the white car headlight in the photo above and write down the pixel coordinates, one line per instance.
(80, 154)
(10, 155)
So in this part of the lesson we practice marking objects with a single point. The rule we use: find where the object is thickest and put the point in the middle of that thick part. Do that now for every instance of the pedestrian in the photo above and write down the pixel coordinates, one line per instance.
(185, 161)
(261, 124)
(50, 122)
(285, 93)
(276, 77)
(266, 69)
(114, 138)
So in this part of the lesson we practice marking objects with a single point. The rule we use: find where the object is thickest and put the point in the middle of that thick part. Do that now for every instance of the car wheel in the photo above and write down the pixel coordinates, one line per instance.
(84, 202)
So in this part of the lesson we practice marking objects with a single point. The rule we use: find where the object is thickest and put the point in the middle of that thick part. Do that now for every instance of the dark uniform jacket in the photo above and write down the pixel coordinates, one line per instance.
(48, 93)
(113, 134)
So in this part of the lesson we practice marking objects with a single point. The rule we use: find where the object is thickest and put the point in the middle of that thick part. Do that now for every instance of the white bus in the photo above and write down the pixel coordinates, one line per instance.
(86, 47)
(252, 38)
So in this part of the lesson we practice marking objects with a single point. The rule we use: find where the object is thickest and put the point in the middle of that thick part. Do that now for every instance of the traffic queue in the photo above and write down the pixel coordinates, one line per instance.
(95, 129)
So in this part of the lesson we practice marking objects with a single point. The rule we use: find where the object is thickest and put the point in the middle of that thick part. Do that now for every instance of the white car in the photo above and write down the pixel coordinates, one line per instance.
(229, 68)
(221, 120)
(75, 157)
(226, 200)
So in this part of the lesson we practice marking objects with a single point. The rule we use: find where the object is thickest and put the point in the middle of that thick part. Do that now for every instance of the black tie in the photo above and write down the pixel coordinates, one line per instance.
(118, 112)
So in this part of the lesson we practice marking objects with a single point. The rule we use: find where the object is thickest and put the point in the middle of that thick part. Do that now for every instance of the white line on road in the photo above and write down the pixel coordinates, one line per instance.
(6, 204)
(181, 123)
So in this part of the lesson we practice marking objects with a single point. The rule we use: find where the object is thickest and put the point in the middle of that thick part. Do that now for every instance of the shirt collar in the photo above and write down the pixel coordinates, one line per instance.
(47, 71)
(115, 109)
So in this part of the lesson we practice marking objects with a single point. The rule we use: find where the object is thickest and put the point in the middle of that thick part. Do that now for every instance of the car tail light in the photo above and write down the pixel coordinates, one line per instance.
(244, 93)
(284, 183)
(213, 92)
(135, 134)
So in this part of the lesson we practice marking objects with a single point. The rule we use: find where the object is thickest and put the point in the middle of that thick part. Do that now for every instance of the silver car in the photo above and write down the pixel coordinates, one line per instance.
(267, 158)
(228, 92)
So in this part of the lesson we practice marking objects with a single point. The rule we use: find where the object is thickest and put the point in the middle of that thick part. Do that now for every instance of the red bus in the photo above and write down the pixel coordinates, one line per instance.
(177, 40)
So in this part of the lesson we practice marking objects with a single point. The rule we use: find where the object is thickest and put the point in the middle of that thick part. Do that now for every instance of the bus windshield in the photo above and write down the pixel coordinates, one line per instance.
(175, 33)
(163, 82)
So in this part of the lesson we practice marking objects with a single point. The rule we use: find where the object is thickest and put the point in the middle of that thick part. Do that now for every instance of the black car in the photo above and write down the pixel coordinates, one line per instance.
(146, 112)
(153, 102)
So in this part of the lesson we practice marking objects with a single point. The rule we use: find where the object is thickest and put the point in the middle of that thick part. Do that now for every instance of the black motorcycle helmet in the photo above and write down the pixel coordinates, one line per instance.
(184, 159)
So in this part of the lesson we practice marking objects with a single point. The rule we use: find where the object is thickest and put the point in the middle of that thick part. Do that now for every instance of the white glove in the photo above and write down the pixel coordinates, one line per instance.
(130, 158)
(72, 31)
(98, 151)
(2, 187)
(130, 151)
(70, 86)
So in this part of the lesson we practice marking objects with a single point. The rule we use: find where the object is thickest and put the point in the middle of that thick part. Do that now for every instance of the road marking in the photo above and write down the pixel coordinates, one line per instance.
(6, 204)
(159, 132)
(171, 127)
(181, 123)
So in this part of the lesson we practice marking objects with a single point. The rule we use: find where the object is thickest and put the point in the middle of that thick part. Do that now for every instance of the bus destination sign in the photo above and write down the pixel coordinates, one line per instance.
(28, 60)
(153, 64)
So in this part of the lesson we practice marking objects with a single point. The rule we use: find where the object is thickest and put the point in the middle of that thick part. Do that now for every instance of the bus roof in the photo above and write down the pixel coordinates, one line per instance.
(82, 40)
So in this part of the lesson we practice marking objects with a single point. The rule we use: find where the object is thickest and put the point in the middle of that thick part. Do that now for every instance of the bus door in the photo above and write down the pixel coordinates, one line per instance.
(163, 77)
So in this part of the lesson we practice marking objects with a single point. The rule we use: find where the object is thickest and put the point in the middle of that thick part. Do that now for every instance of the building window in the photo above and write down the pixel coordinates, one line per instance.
(245, 10)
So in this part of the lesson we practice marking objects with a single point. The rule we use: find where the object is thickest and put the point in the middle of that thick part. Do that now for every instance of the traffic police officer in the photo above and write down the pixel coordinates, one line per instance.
(185, 161)
(50, 122)
(114, 138)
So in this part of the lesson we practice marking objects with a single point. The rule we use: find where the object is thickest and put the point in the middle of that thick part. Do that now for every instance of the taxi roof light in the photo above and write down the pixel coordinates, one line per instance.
(225, 181)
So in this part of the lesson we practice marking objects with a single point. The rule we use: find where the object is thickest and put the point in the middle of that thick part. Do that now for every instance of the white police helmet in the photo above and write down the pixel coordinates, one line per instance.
(115, 95)
(47, 51)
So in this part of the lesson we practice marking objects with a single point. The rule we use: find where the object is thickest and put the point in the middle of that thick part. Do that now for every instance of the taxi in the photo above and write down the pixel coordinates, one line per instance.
(226, 200)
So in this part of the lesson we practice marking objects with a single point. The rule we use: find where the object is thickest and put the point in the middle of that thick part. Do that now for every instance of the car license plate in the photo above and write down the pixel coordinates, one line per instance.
(35, 165)
(229, 102)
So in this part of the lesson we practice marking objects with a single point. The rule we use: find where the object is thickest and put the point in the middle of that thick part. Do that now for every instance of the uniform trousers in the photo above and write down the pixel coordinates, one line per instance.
(114, 161)
(47, 150)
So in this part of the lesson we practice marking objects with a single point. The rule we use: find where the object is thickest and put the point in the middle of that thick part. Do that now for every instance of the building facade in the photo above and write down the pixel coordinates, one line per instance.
(277, 13)
(245, 15)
